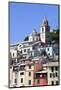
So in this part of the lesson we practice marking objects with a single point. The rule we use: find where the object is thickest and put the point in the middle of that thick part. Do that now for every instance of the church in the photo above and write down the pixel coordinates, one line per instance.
(43, 35)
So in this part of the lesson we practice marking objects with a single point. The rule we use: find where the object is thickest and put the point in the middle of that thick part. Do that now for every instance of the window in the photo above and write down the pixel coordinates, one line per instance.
(21, 80)
(56, 68)
(56, 74)
(38, 81)
(48, 53)
(52, 82)
(52, 69)
(30, 39)
(10, 53)
(28, 50)
(53, 75)
(42, 30)
(15, 80)
(37, 76)
(29, 73)
(24, 50)
(22, 67)
(56, 53)
(29, 82)
(50, 75)
(33, 38)
(57, 82)
(41, 75)
(21, 51)
(10, 81)
(13, 54)
(29, 66)
(15, 68)
(22, 73)
(48, 49)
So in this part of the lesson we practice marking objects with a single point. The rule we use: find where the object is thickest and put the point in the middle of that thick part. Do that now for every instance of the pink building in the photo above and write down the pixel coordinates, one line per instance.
(40, 78)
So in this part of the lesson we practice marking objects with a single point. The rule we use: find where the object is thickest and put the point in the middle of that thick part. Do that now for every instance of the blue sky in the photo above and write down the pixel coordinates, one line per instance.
(24, 17)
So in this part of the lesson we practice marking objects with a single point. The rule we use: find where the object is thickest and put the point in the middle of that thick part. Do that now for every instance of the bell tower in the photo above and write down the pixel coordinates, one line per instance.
(45, 31)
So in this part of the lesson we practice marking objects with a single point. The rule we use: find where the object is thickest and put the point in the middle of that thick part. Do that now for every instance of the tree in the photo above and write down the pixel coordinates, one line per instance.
(26, 38)
(55, 35)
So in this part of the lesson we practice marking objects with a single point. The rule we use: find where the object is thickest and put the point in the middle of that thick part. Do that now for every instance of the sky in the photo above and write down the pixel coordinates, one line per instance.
(24, 17)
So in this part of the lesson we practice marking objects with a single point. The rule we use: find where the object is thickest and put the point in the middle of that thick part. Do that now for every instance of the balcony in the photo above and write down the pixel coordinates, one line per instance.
(41, 73)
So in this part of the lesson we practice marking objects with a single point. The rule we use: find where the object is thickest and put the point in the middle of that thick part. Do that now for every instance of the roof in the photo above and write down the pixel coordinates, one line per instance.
(43, 71)
(14, 44)
(52, 63)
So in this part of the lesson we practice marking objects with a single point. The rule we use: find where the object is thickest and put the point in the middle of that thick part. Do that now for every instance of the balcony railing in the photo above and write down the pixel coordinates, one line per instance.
(40, 75)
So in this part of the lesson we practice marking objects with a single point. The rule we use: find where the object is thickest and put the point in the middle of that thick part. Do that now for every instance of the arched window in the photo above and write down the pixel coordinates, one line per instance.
(42, 29)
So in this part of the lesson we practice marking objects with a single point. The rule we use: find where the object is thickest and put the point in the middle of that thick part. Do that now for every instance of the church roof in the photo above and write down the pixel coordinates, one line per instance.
(45, 22)
(34, 32)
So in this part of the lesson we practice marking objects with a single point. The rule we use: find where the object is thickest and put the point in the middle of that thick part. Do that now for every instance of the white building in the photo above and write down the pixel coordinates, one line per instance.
(34, 36)
(14, 76)
(34, 40)
(44, 35)
(52, 72)
(49, 51)
(13, 53)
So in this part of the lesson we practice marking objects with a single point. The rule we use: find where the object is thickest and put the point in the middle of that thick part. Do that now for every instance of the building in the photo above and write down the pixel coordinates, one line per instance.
(40, 78)
(45, 31)
(52, 72)
(22, 74)
(44, 35)
(35, 62)
(28, 73)
(40, 74)
(34, 36)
